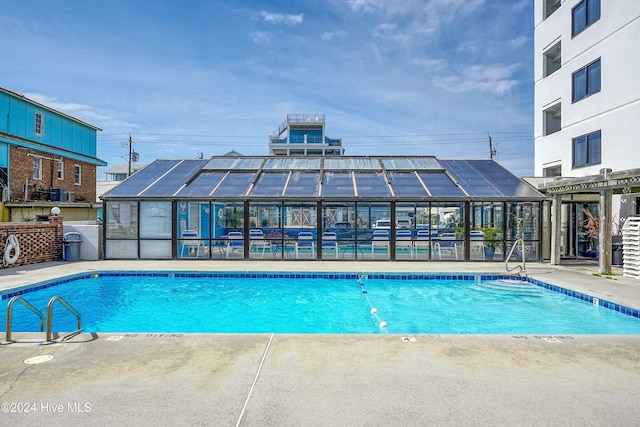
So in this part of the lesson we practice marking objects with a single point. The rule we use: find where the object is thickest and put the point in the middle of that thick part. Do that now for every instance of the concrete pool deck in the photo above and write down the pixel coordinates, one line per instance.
(318, 380)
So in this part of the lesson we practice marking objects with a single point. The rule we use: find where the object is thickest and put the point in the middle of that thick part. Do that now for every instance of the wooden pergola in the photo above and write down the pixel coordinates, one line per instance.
(605, 184)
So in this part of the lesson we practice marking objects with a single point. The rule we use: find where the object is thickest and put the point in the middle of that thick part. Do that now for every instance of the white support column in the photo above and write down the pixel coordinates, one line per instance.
(556, 228)
(604, 232)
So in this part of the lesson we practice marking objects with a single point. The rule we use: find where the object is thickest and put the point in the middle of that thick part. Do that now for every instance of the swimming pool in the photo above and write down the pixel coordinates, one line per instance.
(337, 303)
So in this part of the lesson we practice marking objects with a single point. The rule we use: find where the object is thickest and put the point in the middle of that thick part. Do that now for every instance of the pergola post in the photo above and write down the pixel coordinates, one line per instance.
(604, 232)
(556, 228)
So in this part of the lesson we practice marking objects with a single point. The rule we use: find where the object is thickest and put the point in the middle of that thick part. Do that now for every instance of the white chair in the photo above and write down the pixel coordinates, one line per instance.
(191, 243)
(422, 243)
(305, 243)
(447, 245)
(329, 243)
(477, 243)
(380, 240)
(258, 242)
(404, 240)
(235, 243)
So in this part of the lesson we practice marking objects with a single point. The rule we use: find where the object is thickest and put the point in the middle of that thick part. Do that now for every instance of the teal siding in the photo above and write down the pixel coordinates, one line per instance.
(17, 118)
(4, 155)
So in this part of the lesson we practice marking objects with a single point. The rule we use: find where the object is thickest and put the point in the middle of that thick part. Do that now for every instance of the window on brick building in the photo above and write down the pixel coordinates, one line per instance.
(60, 170)
(37, 168)
(77, 174)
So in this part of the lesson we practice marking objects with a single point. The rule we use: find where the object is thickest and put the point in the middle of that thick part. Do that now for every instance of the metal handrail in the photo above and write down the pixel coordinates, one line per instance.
(50, 312)
(7, 339)
(523, 266)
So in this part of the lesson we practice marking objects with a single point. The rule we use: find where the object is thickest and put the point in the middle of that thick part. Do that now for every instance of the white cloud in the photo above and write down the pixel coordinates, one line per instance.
(86, 113)
(333, 35)
(431, 64)
(282, 18)
(497, 80)
(261, 37)
(518, 41)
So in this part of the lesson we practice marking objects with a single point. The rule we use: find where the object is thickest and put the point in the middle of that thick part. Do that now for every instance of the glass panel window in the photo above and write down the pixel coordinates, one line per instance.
(39, 124)
(337, 184)
(37, 168)
(77, 174)
(121, 220)
(156, 220)
(550, 6)
(270, 184)
(586, 81)
(371, 185)
(584, 14)
(587, 150)
(60, 169)
(407, 184)
(552, 59)
(194, 231)
(552, 119)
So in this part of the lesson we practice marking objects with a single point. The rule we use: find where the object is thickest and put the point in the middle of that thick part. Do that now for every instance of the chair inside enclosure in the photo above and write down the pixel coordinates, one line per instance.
(191, 243)
(258, 244)
(329, 244)
(422, 244)
(235, 244)
(477, 244)
(404, 243)
(447, 245)
(305, 244)
(380, 242)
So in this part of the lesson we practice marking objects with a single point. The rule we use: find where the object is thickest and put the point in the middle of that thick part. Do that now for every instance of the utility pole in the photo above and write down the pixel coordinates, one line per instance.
(492, 151)
(130, 153)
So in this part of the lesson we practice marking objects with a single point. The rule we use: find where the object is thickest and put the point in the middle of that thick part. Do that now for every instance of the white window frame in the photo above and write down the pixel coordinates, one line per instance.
(77, 174)
(38, 123)
(60, 170)
(37, 167)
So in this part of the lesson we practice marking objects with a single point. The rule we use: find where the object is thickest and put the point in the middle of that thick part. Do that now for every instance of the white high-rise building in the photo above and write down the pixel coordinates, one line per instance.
(587, 122)
(587, 86)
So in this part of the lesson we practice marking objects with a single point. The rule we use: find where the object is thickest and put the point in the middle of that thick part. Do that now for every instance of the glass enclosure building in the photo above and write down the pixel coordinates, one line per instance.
(320, 208)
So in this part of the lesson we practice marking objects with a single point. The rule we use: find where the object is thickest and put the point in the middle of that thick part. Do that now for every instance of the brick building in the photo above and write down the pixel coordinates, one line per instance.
(46, 158)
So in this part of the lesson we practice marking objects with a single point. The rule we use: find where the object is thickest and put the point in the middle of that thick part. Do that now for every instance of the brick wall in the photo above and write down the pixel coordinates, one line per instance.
(38, 241)
(21, 168)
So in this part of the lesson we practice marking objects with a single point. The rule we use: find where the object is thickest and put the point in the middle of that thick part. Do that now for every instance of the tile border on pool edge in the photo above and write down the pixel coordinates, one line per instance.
(25, 289)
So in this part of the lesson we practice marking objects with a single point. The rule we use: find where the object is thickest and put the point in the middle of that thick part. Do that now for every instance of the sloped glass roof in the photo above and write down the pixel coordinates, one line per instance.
(424, 178)
(407, 184)
(175, 179)
(302, 184)
(270, 184)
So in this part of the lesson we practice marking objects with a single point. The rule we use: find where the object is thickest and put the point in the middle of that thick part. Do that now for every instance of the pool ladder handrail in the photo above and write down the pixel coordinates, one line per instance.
(7, 339)
(49, 333)
(49, 318)
(523, 265)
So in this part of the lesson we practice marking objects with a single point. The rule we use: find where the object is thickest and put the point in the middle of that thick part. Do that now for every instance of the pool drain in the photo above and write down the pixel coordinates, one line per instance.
(42, 358)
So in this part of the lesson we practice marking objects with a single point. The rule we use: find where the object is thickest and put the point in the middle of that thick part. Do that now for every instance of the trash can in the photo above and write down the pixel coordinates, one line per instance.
(72, 243)
(616, 250)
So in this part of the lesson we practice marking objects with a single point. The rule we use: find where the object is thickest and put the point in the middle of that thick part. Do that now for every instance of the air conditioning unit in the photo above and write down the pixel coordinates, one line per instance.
(58, 195)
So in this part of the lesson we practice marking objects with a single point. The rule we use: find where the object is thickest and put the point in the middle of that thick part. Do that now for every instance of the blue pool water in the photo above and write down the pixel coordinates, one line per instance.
(318, 303)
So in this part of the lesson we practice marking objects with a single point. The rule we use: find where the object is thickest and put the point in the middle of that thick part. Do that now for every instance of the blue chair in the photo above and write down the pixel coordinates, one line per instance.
(447, 245)
(305, 243)
(329, 243)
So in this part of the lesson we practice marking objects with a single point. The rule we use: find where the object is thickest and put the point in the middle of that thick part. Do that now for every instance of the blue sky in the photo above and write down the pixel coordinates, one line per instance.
(423, 77)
